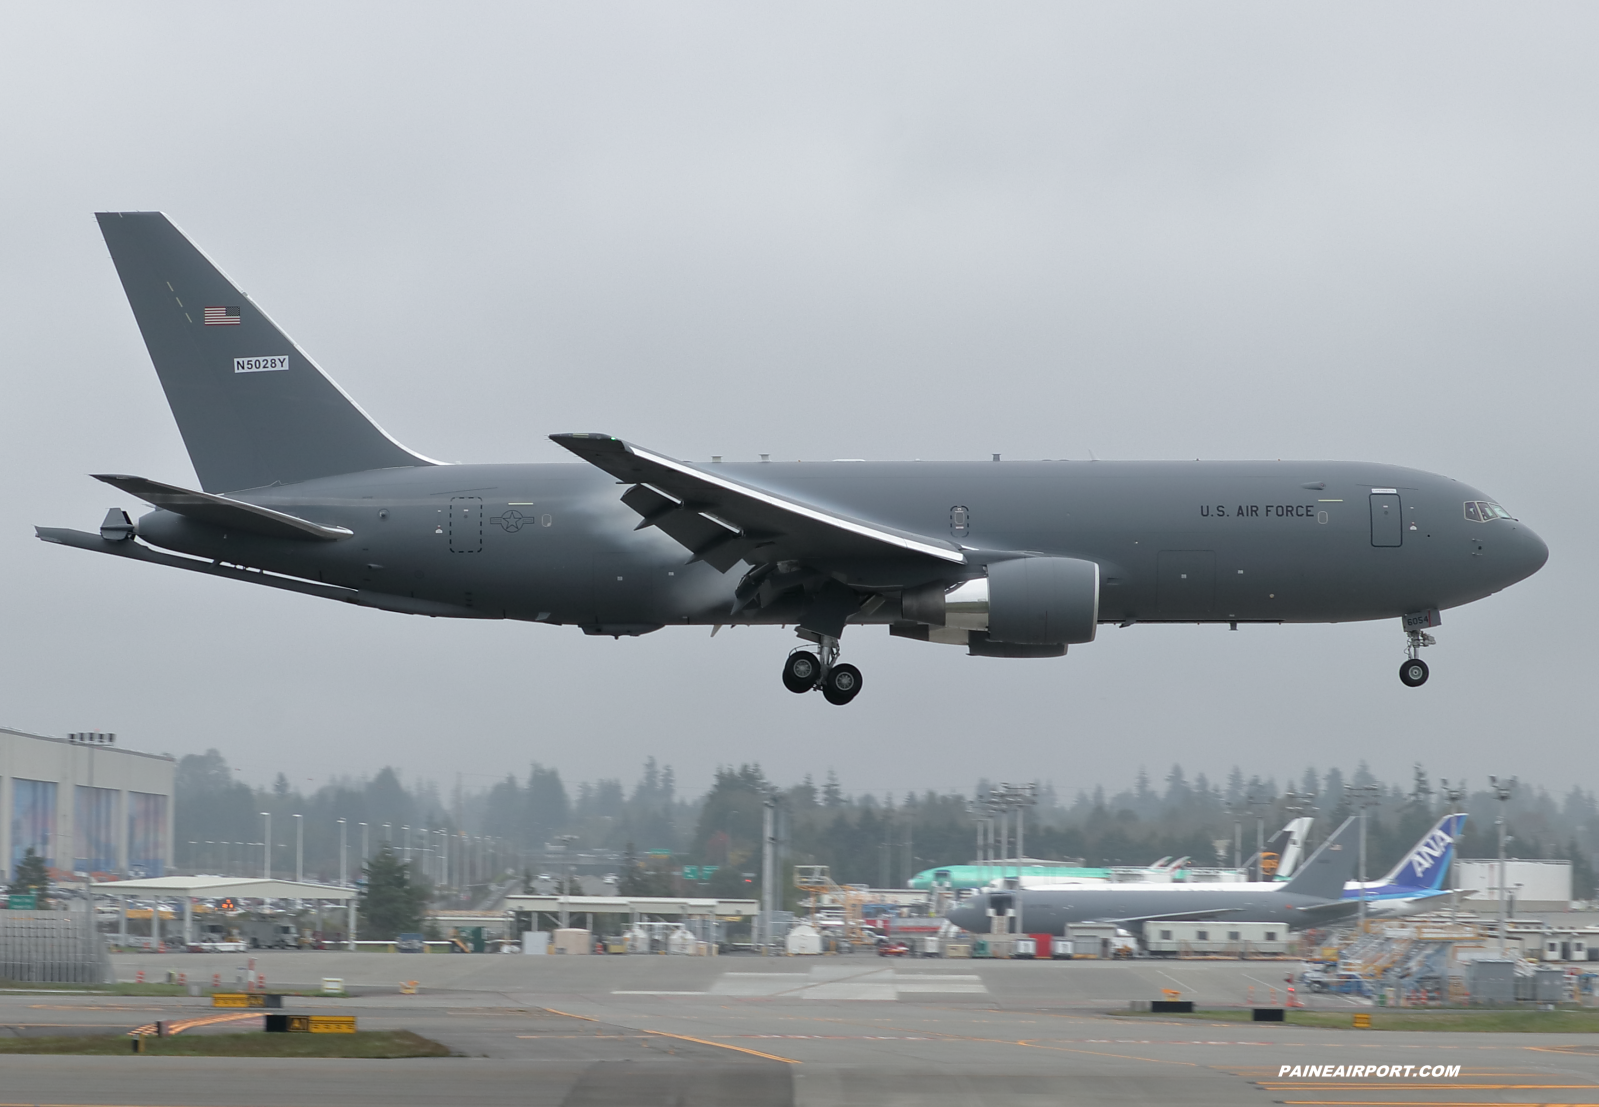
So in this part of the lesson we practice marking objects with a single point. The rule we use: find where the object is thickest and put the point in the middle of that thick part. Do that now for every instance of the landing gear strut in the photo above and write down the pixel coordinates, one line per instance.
(805, 671)
(1413, 673)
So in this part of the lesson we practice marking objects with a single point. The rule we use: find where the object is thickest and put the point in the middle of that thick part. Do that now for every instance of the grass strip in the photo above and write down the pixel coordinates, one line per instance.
(381, 1044)
(1482, 1020)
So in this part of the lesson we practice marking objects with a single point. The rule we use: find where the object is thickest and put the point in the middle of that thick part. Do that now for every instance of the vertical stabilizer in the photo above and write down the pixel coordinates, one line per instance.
(1426, 865)
(1298, 830)
(1330, 866)
(253, 409)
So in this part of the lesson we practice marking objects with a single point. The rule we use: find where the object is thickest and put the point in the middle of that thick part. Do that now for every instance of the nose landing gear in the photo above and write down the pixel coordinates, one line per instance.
(805, 671)
(1413, 673)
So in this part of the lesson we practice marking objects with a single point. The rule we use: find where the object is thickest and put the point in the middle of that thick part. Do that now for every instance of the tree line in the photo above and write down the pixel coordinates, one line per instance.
(460, 843)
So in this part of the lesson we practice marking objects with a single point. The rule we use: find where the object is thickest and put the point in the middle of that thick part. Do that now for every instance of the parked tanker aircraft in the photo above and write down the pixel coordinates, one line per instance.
(1413, 886)
(1314, 897)
(301, 490)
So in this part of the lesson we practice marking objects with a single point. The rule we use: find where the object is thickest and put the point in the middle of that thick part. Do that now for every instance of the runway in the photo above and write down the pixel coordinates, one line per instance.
(781, 1031)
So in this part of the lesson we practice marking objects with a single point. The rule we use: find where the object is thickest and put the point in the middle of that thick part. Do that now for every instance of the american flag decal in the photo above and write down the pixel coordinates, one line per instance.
(222, 317)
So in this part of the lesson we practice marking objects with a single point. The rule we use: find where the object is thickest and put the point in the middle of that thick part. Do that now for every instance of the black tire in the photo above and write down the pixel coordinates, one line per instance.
(1413, 673)
(801, 671)
(842, 684)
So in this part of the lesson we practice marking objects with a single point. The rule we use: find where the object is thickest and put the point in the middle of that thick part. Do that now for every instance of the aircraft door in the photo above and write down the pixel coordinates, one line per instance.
(1387, 526)
(466, 524)
(1185, 583)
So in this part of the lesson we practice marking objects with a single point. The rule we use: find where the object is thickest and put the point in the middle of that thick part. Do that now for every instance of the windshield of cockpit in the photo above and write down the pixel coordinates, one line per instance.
(1481, 511)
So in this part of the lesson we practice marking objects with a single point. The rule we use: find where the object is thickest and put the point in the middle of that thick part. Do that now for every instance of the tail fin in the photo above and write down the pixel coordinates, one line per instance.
(1330, 866)
(253, 409)
(1297, 830)
(1428, 861)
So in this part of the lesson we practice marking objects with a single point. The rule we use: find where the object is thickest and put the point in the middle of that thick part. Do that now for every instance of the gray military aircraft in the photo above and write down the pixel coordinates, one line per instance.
(301, 490)
(1314, 897)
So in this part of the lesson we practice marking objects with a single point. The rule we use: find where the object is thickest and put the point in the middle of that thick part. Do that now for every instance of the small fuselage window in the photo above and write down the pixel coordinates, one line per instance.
(1480, 511)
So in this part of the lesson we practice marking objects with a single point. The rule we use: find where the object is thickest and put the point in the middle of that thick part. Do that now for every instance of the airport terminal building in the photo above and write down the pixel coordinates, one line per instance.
(85, 805)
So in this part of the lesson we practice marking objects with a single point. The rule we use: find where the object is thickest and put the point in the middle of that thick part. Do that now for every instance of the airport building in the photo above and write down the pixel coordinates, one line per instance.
(85, 805)
(1532, 885)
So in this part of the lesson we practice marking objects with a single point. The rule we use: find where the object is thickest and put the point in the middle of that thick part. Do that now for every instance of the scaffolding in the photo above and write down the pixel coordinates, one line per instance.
(848, 898)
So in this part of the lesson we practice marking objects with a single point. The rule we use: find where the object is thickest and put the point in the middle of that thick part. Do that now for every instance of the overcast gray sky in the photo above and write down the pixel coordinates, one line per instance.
(1351, 231)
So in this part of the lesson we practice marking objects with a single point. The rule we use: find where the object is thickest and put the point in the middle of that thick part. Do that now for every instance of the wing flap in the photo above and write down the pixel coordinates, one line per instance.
(220, 511)
(721, 520)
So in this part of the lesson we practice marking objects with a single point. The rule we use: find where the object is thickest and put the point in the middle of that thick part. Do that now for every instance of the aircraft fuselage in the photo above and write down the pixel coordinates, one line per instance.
(1277, 541)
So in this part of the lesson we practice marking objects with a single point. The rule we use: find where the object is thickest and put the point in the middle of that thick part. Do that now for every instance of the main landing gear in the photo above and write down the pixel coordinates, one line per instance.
(805, 671)
(1413, 673)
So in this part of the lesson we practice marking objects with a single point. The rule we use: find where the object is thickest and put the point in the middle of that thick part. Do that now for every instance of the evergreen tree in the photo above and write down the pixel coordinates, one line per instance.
(32, 878)
(392, 903)
(832, 794)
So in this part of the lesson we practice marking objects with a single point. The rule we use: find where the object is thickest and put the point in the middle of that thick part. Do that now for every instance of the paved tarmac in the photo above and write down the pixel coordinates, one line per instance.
(759, 1032)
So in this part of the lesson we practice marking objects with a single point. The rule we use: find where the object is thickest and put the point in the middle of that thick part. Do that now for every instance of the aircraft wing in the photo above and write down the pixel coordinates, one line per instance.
(1175, 916)
(722, 521)
(221, 511)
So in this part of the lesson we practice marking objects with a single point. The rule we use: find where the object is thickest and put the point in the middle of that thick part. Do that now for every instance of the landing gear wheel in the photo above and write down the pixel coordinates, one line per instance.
(1413, 673)
(801, 671)
(841, 684)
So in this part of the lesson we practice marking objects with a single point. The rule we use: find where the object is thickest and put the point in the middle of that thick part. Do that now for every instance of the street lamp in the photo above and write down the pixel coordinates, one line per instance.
(266, 856)
(566, 841)
(362, 866)
(1365, 796)
(1502, 790)
(1454, 796)
(299, 850)
(343, 867)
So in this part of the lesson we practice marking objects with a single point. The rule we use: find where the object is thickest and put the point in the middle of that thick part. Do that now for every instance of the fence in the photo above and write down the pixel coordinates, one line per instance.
(52, 947)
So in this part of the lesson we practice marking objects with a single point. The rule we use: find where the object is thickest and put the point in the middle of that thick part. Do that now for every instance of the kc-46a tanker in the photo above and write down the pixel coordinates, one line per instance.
(301, 490)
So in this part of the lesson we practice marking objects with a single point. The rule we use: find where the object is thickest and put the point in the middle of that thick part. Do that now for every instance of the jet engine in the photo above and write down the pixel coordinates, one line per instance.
(1028, 601)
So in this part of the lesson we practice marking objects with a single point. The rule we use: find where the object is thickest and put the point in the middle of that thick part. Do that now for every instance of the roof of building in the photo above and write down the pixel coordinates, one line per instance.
(112, 748)
(214, 887)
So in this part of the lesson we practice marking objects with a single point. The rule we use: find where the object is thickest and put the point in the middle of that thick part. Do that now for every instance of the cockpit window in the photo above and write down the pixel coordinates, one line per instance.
(1480, 511)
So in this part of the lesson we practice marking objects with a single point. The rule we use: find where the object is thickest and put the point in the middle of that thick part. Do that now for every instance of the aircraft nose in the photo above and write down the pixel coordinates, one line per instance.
(1528, 552)
(967, 916)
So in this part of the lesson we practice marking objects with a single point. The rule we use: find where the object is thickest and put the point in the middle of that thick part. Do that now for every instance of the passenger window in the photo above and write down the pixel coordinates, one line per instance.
(1471, 511)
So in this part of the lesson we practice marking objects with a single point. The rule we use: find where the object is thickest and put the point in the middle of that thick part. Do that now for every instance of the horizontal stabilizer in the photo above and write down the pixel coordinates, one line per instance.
(721, 520)
(220, 511)
(383, 601)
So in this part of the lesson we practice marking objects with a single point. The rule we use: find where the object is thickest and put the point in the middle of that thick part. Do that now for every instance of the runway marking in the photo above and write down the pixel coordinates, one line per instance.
(568, 1014)
(724, 1045)
(148, 1029)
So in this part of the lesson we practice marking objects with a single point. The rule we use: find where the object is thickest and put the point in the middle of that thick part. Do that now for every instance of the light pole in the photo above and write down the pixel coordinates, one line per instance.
(1454, 796)
(266, 856)
(343, 860)
(299, 850)
(362, 866)
(1260, 802)
(768, 883)
(1366, 796)
(566, 841)
(1502, 790)
(405, 843)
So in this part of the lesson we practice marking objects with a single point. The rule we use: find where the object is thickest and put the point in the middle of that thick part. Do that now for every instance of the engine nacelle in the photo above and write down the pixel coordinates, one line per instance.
(1025, 601)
